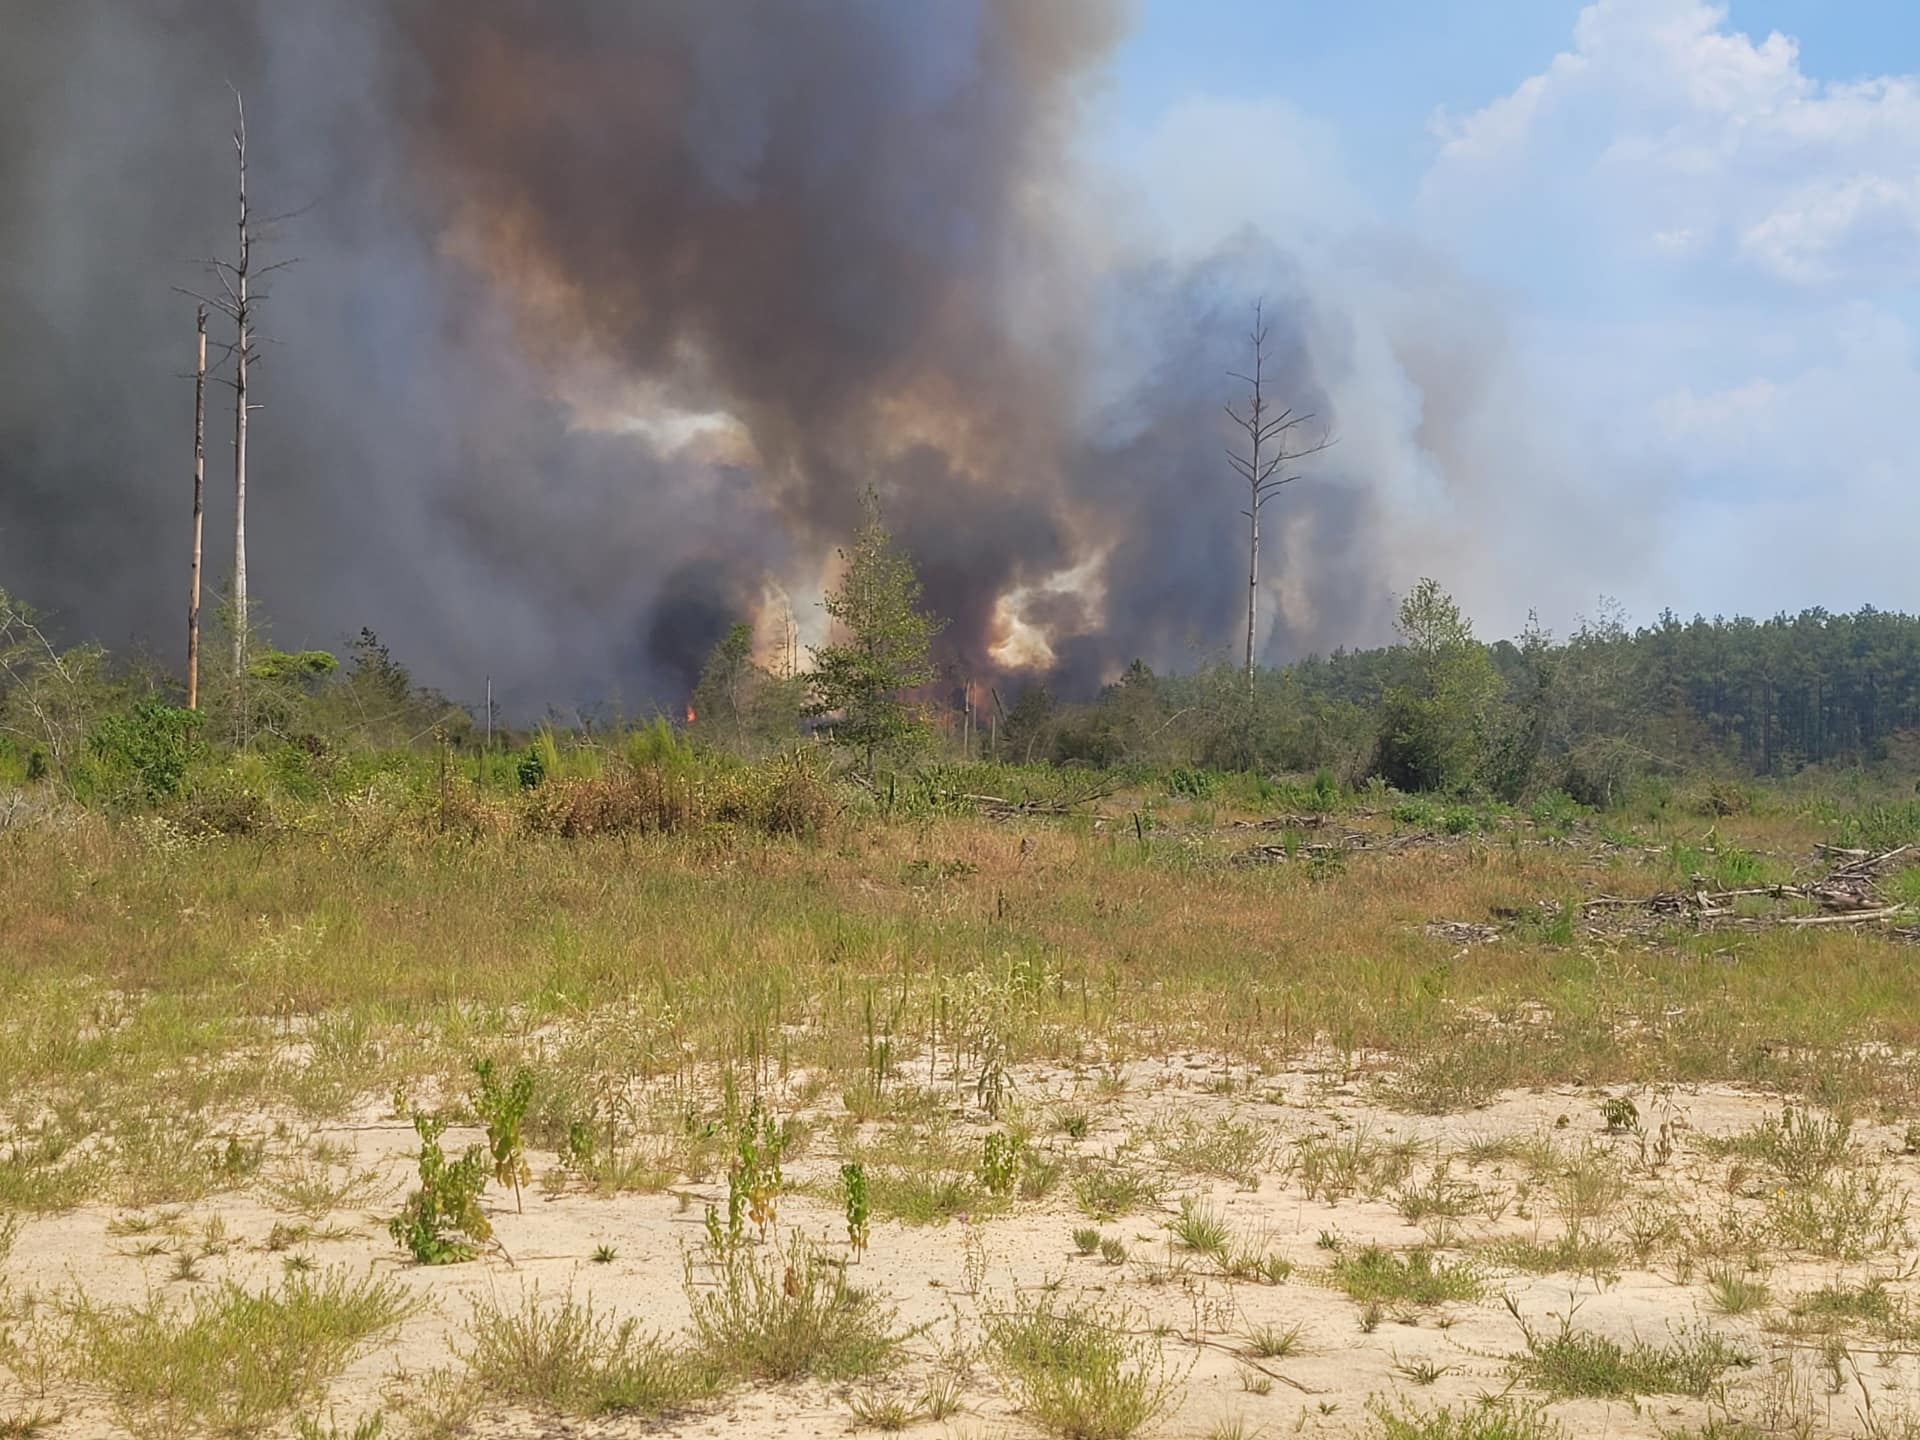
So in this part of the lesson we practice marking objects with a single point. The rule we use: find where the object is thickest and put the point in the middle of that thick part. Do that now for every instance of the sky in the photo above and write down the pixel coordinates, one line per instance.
(1696, 227)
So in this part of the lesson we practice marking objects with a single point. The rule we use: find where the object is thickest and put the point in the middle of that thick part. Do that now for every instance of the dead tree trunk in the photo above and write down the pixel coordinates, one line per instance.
(243, 345)
(1260, 466)
(199, 505)
(239, 297)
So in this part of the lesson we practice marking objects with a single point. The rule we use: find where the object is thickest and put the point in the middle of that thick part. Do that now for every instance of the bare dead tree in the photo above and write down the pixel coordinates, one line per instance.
(199, 505)
(242, 354)
(239, 299)
(1260, 466)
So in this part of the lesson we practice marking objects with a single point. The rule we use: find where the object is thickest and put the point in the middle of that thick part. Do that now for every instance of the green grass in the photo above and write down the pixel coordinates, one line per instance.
(1419, 1277)
(1274, 1342)
(1079, 1369)
(1498, 1421)
(1237, 1150)
(1799, 1145)
(565, 1357)
(1572, 1253)
(1733, 1292)
(233, 1361)
(1106, 1189)
(1840, 1306)
(1199, 1227)
(1567, 1362)
(1850, 1215)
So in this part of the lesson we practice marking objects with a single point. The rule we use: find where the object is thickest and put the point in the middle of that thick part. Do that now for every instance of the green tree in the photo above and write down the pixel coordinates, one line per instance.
(1436, 719)
(888, 635)
(1030, 726)
(723, 697)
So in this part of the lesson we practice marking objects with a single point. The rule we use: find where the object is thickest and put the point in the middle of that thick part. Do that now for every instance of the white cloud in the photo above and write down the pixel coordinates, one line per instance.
(1663, 124)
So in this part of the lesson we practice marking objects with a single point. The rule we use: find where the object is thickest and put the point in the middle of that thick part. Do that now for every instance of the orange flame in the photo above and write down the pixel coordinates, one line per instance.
(691, 717)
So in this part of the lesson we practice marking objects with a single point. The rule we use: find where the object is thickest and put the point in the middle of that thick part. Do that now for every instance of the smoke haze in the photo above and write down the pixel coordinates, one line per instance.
(605, 314)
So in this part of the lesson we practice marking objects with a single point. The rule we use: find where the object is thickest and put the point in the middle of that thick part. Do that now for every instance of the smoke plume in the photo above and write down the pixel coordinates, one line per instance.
(605, 315)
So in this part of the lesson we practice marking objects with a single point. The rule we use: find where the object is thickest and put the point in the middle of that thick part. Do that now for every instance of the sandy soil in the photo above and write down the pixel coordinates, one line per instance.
(1321, 1390)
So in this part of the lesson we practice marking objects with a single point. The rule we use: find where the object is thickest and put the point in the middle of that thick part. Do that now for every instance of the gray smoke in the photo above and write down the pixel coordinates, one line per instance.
(841, 226)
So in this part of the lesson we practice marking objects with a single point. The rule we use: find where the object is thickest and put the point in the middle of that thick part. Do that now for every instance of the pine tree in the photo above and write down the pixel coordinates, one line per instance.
(877, 605)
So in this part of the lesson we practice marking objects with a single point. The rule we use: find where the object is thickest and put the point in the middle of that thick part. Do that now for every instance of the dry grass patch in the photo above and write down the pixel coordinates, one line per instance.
(781, 1313)
(567, 1357)
(1080, 1369)
(233, 1361)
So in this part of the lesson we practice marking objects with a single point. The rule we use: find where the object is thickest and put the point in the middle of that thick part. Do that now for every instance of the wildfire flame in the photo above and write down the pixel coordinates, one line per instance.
(691, 717)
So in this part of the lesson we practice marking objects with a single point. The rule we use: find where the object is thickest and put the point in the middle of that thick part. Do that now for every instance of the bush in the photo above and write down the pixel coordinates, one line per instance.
(143, 754)
(442, 1221)
(797, 801)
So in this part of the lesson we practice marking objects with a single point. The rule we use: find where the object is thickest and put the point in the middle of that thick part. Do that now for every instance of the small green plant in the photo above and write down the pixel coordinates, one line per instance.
(753, 1184)
(1735, 1293)
(1107, 1190)
(605, 1254)
(1419, 1372)
(1113, 1251)
(1076, 1124)
(999, 1163)
(1086, 1240)
(1197, 1227)
(307, 1427)
(888, 1414)
(1620, 1115)
(442, 1221)
(1079, 1369)
(502, 1108)
(1274, 1342)
(853, 1180)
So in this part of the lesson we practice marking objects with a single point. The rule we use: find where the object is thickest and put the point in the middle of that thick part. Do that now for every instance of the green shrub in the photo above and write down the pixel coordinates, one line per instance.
(142, 754)
(442, 1221)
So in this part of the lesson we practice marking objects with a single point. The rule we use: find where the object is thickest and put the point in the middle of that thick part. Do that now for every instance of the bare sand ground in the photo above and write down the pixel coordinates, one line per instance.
(943, 1277)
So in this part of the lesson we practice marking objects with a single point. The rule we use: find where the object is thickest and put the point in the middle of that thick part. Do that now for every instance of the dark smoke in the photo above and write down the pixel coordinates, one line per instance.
(841, 226)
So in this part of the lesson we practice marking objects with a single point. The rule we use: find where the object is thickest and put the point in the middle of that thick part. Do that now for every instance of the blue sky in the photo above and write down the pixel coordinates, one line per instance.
(1681, 241)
